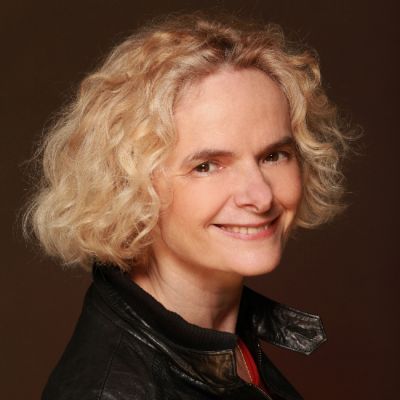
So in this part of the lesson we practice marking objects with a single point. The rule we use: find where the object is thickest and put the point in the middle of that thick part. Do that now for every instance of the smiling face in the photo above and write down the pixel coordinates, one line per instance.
(232, 183)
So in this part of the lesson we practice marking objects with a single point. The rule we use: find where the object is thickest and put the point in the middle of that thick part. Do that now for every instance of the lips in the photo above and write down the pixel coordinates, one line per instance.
(249, 231)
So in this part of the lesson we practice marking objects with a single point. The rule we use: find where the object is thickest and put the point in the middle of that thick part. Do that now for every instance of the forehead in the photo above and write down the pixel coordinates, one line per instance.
(231, 108)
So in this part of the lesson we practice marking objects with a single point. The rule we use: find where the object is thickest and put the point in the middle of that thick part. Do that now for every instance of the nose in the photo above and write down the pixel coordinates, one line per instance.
(253, 190)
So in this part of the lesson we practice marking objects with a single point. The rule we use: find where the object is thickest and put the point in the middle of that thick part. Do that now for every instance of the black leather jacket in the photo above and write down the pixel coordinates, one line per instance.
(128, 346)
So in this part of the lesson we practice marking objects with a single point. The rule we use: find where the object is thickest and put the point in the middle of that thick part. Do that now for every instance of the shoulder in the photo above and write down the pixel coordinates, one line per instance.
(101, 361)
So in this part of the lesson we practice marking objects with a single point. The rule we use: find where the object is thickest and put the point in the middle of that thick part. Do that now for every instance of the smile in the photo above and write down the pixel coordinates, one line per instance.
(247, 230)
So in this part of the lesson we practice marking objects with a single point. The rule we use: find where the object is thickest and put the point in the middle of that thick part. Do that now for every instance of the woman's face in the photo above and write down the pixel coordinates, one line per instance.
(232, 184)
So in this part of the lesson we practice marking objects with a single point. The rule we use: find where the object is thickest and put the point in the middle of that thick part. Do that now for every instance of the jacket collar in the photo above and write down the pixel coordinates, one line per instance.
(208, 355)
(280, 325)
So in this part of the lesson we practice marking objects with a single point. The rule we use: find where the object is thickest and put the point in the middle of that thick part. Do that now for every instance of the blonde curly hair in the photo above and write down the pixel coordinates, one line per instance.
(96, 200)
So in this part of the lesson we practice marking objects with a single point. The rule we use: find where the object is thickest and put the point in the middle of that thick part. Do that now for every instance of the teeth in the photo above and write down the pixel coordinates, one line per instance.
(243, 229)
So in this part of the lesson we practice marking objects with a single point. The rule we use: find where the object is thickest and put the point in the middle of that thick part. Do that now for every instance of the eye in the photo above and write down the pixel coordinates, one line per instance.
(205, 168)
(277, 156)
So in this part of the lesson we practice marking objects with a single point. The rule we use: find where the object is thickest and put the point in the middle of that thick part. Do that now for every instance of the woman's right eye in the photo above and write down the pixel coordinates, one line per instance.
(205, 168)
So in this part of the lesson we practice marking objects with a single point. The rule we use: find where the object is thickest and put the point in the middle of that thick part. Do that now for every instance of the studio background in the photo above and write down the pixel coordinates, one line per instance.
(346, 271)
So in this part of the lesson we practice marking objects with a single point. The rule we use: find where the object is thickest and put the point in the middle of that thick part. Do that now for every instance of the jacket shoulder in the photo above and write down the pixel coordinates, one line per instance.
(100, 359)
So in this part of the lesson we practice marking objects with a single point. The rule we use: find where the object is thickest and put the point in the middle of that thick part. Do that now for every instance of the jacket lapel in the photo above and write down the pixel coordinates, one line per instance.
(280, 325)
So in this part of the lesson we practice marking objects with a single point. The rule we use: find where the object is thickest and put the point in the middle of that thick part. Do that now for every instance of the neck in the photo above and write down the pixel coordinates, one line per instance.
(206, 298)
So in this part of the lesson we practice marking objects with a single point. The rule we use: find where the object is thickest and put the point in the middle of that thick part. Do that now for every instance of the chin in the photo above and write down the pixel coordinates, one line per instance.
(250, 266)
(257, 271)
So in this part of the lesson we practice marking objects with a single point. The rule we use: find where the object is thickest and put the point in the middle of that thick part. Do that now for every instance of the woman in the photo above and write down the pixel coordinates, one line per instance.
(181, 167)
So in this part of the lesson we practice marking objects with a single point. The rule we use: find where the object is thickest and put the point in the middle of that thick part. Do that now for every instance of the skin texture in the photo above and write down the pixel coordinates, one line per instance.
(233, 165)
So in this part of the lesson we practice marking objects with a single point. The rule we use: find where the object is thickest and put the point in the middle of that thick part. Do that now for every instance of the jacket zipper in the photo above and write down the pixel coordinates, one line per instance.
(259, 354)
(259, 358)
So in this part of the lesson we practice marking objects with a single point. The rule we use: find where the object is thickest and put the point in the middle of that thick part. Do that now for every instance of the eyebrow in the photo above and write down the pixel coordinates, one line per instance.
(207, 153)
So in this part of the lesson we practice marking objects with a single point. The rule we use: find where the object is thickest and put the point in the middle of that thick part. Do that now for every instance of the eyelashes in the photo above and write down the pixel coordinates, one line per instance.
(206, 167)
(277, 156)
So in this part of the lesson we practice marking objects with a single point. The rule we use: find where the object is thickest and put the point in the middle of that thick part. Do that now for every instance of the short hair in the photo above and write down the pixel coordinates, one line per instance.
(96, 200)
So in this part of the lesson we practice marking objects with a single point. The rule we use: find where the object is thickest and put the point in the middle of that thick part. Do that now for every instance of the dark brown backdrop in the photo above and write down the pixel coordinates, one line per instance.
(347, 272)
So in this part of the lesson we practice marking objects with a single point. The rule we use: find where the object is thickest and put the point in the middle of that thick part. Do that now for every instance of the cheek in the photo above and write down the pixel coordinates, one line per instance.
(196, 204)
(289, 188)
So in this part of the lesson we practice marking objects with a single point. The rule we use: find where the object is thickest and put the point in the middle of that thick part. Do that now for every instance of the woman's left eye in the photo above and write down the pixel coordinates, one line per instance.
(205, 167)
(276, 156)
